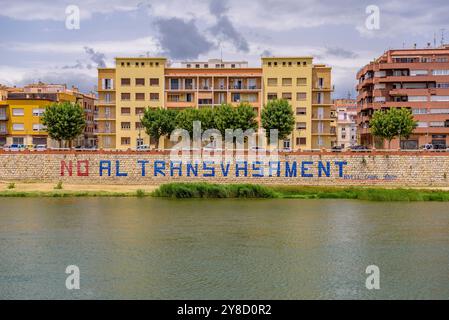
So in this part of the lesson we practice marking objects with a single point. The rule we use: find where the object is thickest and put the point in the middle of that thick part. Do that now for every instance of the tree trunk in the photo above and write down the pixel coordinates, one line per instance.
(60, 143)
(156, 146)
(389, 144)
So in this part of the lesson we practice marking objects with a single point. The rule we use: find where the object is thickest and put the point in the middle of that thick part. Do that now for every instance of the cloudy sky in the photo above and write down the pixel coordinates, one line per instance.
(35, 43)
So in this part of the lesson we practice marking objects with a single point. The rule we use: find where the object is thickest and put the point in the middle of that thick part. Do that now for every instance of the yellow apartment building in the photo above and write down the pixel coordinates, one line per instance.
(21, 115)
(136, 83)
(21, 112)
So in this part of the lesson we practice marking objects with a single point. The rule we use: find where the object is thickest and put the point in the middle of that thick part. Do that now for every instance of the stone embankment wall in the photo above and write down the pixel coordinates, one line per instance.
(405, 169)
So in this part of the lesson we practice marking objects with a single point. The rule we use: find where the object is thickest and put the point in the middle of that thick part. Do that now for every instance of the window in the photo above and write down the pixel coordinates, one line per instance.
(232, 65)
(140, 111)
(300, 111)
(154, 96)
(419, 72)
(441, 59)
(440, 72)
(275, 64)
(419, 111)
(300, 125)
(286, 144)
(320, 83)
(301, 81)
(38, 127)
(125, 140)
(174, 84)
(417, 98)
(439, 98)
(17, 112)
(422, 124)
(139, 125)
(269, 64)
(140, 96)
(302, 140)
(154, 82)
(272, 82)
(236, 97)
(107, 84)
(206, 65)
(125, 111)
(140, 81)
(125, 81)
(287, 95)
(439, 111)
(125, 125)
(18, 126)
(301, 96)
(17, 140)
(286, 81)
(126, 96)
(443, 85)
(188, 65)
(436, 124)
(272, 96)
(38, 111)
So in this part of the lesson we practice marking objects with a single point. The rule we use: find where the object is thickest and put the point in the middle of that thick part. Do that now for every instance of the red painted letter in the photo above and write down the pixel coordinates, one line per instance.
(85, 173)
(65, 166)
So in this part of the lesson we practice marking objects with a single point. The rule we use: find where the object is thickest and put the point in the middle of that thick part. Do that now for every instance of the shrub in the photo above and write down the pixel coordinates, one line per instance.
(11, 185)
(58, 185)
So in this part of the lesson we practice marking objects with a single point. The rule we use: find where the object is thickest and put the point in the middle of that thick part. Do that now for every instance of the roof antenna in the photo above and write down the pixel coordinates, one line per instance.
(434, 39)
(442, 36)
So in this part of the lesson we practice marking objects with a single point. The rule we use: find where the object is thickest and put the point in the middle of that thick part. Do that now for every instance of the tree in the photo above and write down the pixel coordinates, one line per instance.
(64, 121)
(245, 117)
(158, 122)
(395, 122)
(224, 118)
(278, 114)
(185, 119)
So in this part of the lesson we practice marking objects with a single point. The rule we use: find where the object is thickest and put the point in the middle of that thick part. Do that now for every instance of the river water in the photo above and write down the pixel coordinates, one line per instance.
(148, 248)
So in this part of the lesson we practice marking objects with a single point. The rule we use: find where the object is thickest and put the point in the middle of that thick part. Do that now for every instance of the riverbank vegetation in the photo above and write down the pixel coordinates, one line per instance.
(207, 190)
(215, 191)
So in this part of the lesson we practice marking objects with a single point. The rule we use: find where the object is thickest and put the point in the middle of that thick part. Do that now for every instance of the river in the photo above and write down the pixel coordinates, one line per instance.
(147, 248)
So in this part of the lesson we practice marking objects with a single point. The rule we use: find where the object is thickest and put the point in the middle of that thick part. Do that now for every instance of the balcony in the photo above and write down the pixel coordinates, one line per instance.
(104, 117)
(106, 102)
(3, 117)
(243, 87)
(105, 131)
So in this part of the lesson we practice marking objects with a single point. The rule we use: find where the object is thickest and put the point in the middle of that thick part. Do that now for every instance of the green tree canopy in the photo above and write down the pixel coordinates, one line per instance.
(278, 114)
(158, 122)
(185, 119)
(245, 117)
(395, 122)
(224, 118)
(64, 121)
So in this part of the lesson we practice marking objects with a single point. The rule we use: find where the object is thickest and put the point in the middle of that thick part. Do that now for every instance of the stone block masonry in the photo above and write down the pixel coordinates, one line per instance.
(394, 169)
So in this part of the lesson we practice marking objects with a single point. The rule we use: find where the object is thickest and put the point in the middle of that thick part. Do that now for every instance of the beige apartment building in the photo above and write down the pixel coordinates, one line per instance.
(346, 122)
(136, 83)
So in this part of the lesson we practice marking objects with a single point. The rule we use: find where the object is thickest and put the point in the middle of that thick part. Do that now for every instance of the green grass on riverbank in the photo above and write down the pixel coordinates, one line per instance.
(208, 190)
(64, 194)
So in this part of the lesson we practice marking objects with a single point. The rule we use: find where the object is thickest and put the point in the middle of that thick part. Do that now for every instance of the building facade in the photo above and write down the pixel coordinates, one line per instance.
(136, 83)
(21, 112)
(417, 79)
(346, 122)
